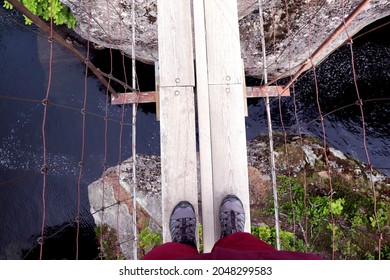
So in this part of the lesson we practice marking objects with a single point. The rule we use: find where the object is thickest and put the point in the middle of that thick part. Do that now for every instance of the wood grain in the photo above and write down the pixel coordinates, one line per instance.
(178, 151)
(206, 174)
(229, 154)
(175, 47)
(223, 42)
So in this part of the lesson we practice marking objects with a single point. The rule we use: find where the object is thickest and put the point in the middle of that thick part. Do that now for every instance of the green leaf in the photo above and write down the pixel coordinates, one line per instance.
(47, 9)
(7, 5)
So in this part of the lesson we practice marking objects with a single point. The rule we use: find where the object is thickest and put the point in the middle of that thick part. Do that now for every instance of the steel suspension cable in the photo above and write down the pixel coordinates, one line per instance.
(287, 162)
(83, 112)
(360, 104)
(270, 134)
(133, 135)
(45, 101)
(313, 68)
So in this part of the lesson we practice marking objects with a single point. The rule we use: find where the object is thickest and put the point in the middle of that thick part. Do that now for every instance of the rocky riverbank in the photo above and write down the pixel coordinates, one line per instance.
(291, 28)
(304, 163)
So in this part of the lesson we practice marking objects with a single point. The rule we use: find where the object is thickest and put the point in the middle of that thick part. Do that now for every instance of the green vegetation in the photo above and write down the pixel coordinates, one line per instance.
(108, 243)
(61, 14)
(147, 240)
(200, 230)
(287, 239)
(308, 217)
(306, 209)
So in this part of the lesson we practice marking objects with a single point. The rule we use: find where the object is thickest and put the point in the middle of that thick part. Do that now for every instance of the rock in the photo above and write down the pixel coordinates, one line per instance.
(311, 157)
(376, 177)
(287, 44)
(323, 174)
(357, 171)
(258, 186)
(116, 184)
(337, 153)
(116, 217)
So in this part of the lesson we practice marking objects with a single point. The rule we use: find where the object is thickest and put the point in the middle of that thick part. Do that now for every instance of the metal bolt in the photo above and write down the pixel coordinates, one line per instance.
(227, 90)
(177, 92)
(228, 78)
(177, 80)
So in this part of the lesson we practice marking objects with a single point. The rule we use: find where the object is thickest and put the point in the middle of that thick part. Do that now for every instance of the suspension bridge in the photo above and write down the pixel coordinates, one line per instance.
(200, 75)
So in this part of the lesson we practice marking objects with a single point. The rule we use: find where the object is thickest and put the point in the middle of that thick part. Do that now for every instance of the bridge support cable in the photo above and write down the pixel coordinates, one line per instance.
(270, 133)
(134, 133)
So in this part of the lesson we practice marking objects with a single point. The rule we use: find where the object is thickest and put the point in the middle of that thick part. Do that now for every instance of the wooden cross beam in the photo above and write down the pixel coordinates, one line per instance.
(152, 96)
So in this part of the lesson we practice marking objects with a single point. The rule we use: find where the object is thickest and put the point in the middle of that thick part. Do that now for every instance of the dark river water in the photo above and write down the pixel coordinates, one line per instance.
(24, 60)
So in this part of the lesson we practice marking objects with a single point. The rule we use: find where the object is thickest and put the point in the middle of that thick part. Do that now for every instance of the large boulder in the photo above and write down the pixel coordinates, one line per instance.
(293, 28)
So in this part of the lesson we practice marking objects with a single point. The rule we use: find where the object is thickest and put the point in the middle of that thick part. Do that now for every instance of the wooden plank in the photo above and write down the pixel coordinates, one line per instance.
(177, 111)
(223, 42)
(206, 174)
(228, 135)
(141, 97)
(151, 96)
(253, 92)
(178, 151)
(175, 47)
(228, 138)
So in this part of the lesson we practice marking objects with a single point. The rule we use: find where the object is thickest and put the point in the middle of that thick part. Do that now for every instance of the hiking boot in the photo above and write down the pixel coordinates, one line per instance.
(182, 224)
(231, 215)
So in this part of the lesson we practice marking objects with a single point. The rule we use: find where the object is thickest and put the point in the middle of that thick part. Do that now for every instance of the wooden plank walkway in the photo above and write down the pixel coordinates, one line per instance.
(177, 109)
(221, 102)
(220, 95)
(228, 136)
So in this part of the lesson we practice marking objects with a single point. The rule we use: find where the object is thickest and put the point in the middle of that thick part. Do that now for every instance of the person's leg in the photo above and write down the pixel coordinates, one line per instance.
(232, 218)
(182, 226)
(171, 251)
(243, 241)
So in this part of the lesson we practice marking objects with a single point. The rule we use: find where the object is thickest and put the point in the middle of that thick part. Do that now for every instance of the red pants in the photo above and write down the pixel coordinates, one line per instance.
(236, 246)
(240, 241)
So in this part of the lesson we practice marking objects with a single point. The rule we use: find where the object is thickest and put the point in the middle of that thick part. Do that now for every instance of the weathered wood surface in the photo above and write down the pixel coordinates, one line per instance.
(150, 96)
(178, 151)
(206, 170)
(223, 42)
(141, 97)
(175, 44)
(271, 91)
(177, 109)
(228, 136)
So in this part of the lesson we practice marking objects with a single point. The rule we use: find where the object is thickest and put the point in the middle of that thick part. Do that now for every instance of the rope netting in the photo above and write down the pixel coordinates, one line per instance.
(301, 220)
(53, 37)
(310, 66)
